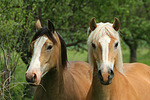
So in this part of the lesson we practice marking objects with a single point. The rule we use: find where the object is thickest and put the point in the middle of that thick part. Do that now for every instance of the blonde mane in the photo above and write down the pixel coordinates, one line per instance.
(101, 30)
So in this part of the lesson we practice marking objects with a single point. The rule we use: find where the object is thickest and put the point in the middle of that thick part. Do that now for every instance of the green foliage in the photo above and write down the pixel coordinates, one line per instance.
(16, 22)
(71, 19)
(134, 17)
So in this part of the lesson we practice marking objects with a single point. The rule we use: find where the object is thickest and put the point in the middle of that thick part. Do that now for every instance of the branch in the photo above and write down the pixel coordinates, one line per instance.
(4, 54)
(73, 44)
(85, 49)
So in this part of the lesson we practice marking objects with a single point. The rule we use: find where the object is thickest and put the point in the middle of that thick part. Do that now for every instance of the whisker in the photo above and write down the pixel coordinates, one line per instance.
(44, 74)
(42, 87)
(37, 85)
(31, 83)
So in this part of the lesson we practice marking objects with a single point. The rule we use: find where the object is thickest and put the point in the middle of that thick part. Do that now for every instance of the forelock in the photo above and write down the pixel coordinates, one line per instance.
(44, 31)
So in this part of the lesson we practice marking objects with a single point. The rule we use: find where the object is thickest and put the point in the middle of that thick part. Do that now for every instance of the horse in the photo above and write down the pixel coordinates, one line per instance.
(55, 77)
(113, 79)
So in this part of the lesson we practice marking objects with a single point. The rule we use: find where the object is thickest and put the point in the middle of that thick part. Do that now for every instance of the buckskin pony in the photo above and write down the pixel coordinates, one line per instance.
(55, 77)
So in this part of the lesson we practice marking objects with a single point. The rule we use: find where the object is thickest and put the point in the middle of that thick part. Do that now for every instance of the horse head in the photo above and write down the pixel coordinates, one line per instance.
(45, 53)
(104, 43)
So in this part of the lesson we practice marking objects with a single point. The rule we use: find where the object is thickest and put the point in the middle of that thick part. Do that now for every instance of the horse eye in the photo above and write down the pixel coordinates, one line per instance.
(116, 45)
(49, 47)
(93, 45)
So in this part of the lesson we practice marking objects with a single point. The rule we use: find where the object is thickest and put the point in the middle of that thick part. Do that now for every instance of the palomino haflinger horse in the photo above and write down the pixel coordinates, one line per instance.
(55, 77)
(113, 80)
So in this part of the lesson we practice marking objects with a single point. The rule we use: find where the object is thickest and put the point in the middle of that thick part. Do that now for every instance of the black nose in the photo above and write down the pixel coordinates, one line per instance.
(31, 79)
(105, 78)
(100, 75)
(111, 73)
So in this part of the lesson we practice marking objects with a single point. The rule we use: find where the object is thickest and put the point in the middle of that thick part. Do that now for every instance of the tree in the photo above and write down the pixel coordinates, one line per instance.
(134, 19)
(69, 17)
(15, 32)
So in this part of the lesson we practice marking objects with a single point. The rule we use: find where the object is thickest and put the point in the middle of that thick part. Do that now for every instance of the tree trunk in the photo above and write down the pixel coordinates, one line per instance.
(133, 56)
(133, 45)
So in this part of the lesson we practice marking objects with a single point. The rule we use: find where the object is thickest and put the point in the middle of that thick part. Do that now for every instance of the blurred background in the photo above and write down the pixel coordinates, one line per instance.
(71, 19)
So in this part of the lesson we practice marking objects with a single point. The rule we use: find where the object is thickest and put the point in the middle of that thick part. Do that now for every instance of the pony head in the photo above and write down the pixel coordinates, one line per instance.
(45, 47)
(104, 45)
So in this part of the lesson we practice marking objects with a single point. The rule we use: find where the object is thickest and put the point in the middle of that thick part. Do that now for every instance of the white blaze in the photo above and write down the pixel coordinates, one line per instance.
(35, 62)
(104, 41)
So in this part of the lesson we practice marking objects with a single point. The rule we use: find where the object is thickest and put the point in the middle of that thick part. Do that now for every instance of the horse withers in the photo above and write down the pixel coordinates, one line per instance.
(55, 77)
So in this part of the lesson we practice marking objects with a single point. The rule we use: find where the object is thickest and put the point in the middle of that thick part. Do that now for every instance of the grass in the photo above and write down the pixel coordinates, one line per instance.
(143, 56)
(77, 56)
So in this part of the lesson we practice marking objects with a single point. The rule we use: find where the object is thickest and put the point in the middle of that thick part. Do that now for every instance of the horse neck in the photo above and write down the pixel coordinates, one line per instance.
(49, 88)
(53, 80)
(60, 66)
(103, 92)
(97, 90)
(62, 59)
(59, 80)
(52, 84)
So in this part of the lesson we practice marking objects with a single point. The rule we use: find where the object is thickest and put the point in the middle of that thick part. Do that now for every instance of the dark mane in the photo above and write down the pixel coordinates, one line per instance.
(46, 31)
(63, 50)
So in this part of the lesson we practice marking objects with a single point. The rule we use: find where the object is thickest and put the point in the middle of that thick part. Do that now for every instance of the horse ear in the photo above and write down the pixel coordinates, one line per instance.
(51, 26)
(116, 24)
(38, 24)
(93, 24)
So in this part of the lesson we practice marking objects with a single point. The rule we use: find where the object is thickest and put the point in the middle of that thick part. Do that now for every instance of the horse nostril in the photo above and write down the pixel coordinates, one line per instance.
(32, 79)
(111, 74)
(100, 75)
(105, 76)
